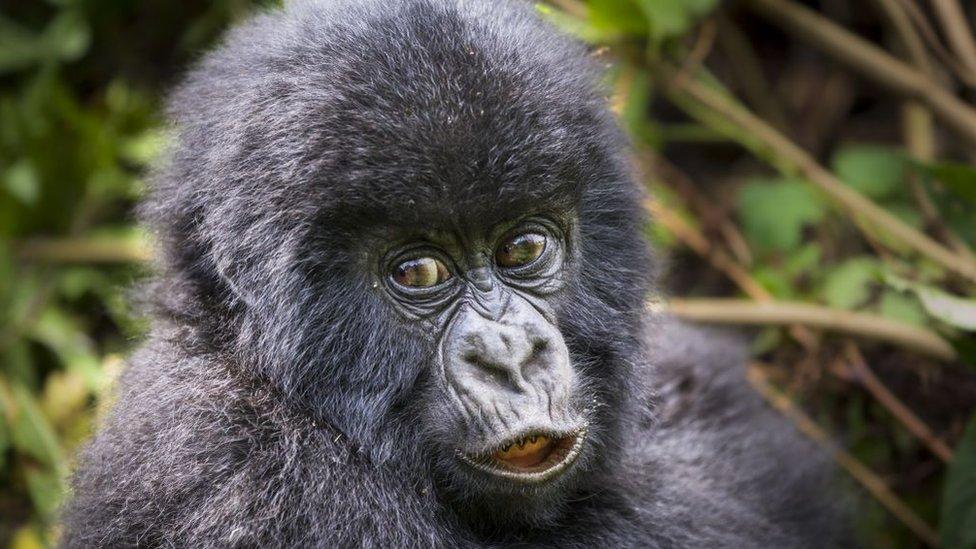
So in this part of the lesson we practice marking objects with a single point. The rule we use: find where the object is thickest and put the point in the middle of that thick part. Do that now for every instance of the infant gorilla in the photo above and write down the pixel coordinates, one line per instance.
(401, 303)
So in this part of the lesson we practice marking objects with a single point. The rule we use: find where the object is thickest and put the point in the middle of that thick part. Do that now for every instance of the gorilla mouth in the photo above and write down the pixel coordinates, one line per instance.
(531, 457)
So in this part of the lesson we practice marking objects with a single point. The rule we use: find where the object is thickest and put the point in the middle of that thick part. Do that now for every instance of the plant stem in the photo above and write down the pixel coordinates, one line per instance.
(857, 206)
(917, 126)
(695, 240)
(956, 27)
(83, 250)
(871, 326)
(862, 372)
(860, 472)
(871, 61)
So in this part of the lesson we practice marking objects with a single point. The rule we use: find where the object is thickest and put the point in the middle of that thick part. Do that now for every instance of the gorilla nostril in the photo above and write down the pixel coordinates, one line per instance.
(494, 374)
(539, 348)
(537, 359)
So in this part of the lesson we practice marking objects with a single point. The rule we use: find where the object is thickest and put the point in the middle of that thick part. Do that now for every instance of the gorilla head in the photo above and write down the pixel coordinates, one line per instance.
(414, 220)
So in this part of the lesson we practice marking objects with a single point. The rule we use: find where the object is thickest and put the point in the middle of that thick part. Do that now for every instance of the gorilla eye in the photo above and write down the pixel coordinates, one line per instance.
(423, 272)
(520, 250)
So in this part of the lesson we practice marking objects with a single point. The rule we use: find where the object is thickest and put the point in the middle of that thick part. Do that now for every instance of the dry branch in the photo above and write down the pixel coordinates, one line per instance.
(83, 250)
(873, 62)
(862, 372)
(856, 205)
(741, 311)
(956, 27)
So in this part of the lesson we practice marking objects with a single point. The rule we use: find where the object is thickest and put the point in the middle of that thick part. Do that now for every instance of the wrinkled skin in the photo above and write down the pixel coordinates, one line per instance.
(395, 237)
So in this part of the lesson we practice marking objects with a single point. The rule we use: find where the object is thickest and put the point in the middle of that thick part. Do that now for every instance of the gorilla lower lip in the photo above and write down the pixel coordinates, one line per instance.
(531, 458)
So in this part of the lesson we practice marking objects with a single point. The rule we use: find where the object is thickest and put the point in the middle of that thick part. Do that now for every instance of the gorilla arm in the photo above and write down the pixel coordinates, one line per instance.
(718, 466)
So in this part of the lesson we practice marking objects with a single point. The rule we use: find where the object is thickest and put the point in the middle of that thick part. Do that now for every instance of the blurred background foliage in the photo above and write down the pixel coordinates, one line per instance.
(810, 168)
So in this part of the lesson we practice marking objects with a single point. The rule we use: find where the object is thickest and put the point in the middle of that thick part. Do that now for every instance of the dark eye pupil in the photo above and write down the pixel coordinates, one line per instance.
(423, 272)
(520, 250)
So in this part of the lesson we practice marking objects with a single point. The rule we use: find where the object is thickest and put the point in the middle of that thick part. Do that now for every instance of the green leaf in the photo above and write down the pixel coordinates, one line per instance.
(27, 537)
(633, 116)
(959, 178)
(774, 212)
(848, 285)
(901, 307)
(804, 260)
(580, 28)
(67, 37)
(21, 181)
(875, 171)
(45, 489)
(30, 431)
(621, 17)
(671, 18)
(18, 46)
(776, 281)
(70, 342)
(4, 440)
(957, 526)
(953, 310)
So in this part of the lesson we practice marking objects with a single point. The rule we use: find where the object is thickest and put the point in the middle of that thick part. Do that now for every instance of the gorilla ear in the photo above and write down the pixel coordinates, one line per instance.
(251, 264)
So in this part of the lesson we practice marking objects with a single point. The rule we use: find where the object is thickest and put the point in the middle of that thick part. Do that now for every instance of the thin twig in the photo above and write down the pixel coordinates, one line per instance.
(712, 214)
(860, 472)
(722, 262)
(931, 38)
(871, 61)
(912, 42)
(695, 240)
(83, 250)
(956, 27)
(747, 71)
(699, 52)
(917, 127)
(857, 205)
(862, 372)
(871, 326)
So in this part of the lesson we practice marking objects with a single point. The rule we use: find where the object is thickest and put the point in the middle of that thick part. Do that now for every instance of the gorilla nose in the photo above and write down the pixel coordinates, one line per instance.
(509, 372)
(500, 353)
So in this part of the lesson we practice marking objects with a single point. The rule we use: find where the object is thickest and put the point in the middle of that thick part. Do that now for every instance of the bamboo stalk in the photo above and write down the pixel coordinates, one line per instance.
(858, 470)
(917, 125)
(83, 250)
(871, 326)
(856, 205)
(956, 27)
(871, 61)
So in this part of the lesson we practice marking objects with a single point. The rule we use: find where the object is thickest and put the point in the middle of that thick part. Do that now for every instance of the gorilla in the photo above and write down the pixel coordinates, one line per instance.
(401, 303)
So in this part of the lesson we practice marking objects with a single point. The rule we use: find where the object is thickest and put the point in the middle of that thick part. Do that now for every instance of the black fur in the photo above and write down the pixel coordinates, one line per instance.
(276, 402)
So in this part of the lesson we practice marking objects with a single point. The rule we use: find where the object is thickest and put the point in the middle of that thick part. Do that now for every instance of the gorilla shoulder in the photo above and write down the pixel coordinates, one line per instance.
(717, 458)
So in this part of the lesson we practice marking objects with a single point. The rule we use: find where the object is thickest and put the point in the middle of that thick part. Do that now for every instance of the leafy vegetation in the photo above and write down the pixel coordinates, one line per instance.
(80, 86)
(785, 170)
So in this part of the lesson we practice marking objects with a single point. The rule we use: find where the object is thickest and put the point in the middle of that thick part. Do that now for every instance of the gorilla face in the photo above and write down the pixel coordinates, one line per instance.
(415, 222)
(502, 366)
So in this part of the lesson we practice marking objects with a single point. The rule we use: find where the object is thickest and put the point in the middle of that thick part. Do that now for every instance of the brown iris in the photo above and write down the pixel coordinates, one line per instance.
(520, 249)
(423, 272)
